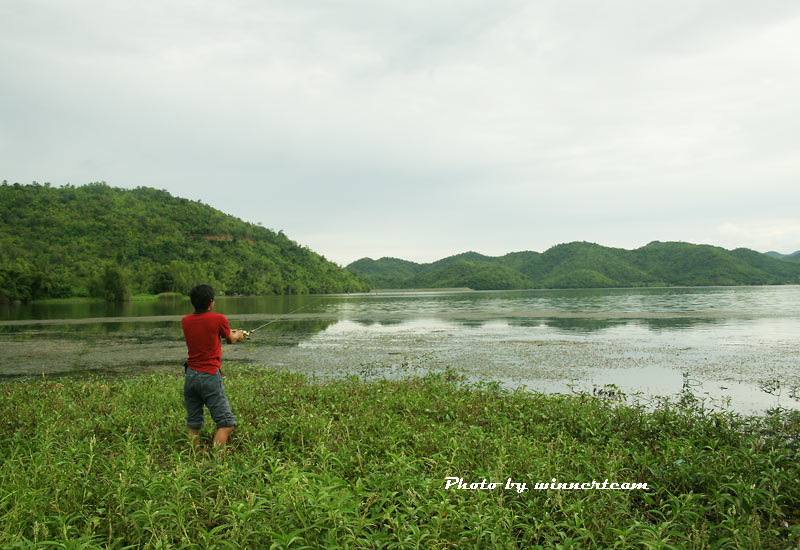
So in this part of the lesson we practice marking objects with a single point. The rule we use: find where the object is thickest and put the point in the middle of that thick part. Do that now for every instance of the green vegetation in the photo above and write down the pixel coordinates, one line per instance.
(586, 265)
(794, 256)
(104, 463)
(385, 272)
(95, 240)
(476, 275)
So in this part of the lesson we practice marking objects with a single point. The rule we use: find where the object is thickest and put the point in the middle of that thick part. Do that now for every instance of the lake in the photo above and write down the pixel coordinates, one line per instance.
(734, 347)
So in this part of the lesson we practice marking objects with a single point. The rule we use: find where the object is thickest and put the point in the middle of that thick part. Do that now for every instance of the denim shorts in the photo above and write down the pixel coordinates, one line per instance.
(201, 388)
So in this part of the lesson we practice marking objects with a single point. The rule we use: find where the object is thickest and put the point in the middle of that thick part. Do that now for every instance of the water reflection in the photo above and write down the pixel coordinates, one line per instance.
(164, 305)
(544, 339)
(124, 347)
(583, 325)
(684, 301)
(81, 331)
(288, 333)
(385, 322)
(657, 325)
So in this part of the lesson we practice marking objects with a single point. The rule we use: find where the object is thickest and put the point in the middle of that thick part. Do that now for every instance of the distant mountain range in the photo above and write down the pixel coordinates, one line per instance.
(795, 256)
(98, 240)
(587, 265)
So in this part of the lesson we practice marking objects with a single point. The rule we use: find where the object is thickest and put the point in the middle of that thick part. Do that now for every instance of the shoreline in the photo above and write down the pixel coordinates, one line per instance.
(379, 291)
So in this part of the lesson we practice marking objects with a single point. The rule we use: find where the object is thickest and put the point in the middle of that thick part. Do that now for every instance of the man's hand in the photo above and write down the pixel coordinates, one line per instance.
(236, 336)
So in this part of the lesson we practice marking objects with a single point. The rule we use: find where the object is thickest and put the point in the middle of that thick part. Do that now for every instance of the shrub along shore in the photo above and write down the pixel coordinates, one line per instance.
(349, 463)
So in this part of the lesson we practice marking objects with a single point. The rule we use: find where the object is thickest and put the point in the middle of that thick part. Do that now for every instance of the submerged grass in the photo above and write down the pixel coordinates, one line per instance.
(97, 463)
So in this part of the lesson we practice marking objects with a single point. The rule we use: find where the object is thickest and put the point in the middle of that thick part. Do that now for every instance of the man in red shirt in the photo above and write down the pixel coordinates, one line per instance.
(203, 330)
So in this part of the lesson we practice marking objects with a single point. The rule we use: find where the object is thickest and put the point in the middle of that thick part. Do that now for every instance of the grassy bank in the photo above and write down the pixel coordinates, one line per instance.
(353, 464)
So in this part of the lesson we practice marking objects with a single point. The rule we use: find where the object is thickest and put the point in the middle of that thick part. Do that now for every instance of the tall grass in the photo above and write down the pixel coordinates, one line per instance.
(97, 463)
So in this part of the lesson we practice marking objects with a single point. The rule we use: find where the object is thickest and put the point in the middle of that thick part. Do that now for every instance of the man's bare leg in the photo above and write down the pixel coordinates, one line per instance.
(221, 436)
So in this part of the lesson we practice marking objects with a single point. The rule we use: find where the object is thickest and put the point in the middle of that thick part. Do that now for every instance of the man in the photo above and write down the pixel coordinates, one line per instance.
(203, 330)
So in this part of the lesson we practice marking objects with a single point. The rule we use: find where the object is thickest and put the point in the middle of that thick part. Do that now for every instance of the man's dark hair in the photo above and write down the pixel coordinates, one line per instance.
(201, 297)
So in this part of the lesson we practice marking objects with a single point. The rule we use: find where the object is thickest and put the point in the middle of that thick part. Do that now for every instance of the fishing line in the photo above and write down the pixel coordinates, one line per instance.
(249, 332)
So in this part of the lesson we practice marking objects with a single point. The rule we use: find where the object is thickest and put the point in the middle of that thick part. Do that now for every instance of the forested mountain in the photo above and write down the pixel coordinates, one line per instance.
(99, 240)
(794, 257)
(586, 265)
(384, 272)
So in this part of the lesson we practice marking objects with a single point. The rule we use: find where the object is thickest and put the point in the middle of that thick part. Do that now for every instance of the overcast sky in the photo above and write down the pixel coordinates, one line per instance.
(422, 129)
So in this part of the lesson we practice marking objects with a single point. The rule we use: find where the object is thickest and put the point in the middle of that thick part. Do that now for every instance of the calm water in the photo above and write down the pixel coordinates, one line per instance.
(734, 347)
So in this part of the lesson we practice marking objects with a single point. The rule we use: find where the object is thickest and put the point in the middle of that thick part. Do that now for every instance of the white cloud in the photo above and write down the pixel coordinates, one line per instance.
(426, 128)
(764, 235)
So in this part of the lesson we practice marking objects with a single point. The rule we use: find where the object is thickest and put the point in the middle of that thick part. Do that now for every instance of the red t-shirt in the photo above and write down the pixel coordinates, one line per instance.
(203, 332)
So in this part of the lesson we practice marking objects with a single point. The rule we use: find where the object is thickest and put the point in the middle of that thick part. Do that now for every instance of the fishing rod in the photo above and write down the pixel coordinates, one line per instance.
(247, 333)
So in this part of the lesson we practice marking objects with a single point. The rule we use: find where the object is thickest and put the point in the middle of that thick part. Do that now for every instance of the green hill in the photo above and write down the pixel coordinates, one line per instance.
(79, 241)
(384, 271)
(586, 265)
(465, 273)
(700, 265)
(793, 257)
